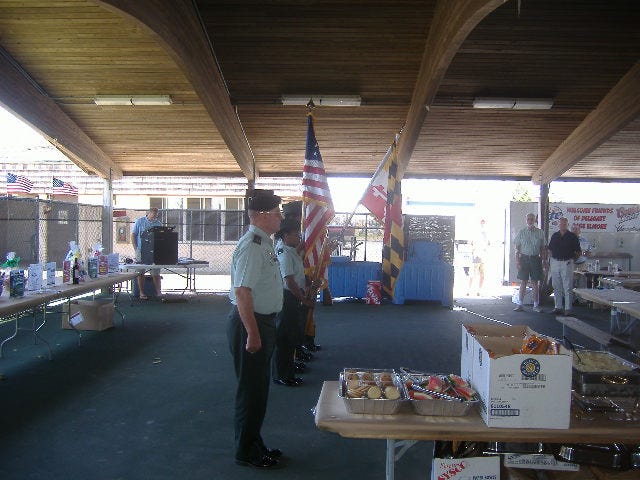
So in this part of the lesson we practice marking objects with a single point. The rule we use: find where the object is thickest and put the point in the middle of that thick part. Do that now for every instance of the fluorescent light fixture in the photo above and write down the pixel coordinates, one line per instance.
(533, 104)
(146, 100)
(513, 103)
(323, 100)
(493, 102)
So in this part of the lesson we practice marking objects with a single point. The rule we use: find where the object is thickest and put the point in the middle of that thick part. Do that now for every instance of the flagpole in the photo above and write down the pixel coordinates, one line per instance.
(314, 288)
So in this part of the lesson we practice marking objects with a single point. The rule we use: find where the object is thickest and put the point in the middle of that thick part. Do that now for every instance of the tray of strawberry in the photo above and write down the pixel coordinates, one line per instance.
(437, 394)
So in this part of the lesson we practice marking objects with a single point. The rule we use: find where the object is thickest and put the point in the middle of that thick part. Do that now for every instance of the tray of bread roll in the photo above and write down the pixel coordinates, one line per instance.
(371, 391)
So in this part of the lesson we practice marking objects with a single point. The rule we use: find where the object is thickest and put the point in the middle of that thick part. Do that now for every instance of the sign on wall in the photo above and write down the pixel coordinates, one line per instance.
(591, 217)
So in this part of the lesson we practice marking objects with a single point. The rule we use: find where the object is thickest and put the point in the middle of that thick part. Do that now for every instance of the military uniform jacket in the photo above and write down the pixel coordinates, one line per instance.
(254, 265)
(291, 264)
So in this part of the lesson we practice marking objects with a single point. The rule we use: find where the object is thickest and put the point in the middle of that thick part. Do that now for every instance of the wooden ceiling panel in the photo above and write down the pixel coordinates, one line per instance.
(163, 137)
(466, 142)
(616, 158)
(267, 49)
(75, 50)
(278, 134)
(574, 51)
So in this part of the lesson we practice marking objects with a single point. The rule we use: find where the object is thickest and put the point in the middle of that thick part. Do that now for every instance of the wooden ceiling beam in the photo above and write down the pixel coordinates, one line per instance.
(617, 109)
(27, 100)
(177, 26)
(452, 22)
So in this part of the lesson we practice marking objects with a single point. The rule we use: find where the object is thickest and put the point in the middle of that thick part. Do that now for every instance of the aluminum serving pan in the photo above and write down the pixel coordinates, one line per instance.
(436, 406)
(371, 377)
(603, 373)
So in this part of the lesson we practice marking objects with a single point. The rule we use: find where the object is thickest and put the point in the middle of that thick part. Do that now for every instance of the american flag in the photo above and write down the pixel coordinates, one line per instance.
(64, 188)
(318, 206)
(18, 184)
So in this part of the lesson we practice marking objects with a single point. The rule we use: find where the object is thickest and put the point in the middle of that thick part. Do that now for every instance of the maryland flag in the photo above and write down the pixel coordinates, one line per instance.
(375, 196)
(393, 244)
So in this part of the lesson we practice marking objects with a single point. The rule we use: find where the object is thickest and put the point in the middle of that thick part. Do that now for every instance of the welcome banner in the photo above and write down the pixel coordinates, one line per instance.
(593, 217)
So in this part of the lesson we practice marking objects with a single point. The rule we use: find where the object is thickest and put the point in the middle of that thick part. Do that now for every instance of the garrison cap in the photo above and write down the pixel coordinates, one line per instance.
(292, 209)
(289, 225)
(264, 202)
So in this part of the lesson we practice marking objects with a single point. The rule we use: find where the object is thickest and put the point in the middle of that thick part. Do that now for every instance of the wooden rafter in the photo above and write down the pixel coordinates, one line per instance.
(27, 101)
(177, 26)
(452, 22)
(617, 109)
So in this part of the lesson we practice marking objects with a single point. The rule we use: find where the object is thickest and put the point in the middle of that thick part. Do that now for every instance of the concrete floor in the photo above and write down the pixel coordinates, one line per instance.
(153, 399)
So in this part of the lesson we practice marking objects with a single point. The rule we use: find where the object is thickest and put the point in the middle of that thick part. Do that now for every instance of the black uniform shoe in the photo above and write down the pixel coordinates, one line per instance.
(300, 367)
(262, 463)
(310, 348)
(557, 311)
(304, 356)
(273, 452)
(297, 380)
(285, 383)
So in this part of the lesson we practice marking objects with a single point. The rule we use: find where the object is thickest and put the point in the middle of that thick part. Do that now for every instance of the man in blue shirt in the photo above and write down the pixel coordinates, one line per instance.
(140, 225)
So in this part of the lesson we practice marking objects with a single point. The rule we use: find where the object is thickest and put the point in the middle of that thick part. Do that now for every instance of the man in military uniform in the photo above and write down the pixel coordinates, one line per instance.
(256, 294)
(293, 211)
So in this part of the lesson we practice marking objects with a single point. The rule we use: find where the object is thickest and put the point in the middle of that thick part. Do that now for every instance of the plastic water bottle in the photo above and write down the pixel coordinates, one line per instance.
(597, 266)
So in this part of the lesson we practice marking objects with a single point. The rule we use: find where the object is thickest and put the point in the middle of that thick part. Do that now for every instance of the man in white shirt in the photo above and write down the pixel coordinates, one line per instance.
(530, 258)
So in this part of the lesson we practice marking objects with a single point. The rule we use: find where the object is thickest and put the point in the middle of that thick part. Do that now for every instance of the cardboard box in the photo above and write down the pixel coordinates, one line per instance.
(525, 474)
(472, 330)
(89, 314)
(521, 390)
(538, 461)
(469, 468)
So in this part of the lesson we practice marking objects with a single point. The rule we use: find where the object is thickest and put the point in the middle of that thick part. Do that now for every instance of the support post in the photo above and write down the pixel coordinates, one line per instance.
(107, 214)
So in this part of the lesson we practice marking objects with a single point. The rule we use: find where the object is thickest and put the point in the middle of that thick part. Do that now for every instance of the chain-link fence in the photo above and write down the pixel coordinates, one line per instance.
(209, 235)
(40, 231)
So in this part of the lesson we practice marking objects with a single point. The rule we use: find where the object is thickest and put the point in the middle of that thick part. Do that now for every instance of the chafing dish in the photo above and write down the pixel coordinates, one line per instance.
(603, 373)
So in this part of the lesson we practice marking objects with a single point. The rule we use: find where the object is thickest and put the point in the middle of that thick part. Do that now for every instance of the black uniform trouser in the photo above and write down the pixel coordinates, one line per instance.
(288, 337)
(253, 375)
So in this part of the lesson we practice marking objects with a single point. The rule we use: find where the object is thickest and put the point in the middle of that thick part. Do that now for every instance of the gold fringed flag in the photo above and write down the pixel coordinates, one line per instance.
(393, 244)
(318, 207)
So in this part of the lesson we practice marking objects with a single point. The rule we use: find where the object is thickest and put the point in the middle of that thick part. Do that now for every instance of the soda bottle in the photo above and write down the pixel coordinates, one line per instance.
(76, 272)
